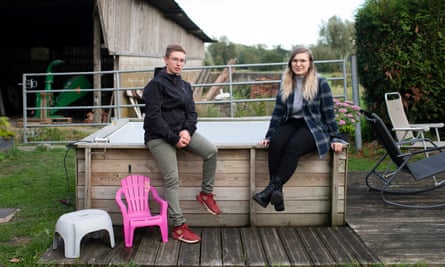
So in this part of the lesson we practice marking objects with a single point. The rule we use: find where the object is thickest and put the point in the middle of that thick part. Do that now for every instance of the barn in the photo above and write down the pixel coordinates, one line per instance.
(88, 35)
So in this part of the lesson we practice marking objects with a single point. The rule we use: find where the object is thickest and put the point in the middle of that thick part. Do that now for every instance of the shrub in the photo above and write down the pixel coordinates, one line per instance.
(5, 132)
(400, 47)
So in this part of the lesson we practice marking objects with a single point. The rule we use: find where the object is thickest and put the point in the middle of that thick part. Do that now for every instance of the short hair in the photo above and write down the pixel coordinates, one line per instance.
(173, 48)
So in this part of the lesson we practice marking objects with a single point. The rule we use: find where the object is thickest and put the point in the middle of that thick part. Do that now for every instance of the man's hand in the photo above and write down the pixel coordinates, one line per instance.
(184, 139)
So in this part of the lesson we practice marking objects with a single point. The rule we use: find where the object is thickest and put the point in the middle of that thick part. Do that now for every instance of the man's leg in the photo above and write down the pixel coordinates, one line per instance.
(208, 151)
(165, 156)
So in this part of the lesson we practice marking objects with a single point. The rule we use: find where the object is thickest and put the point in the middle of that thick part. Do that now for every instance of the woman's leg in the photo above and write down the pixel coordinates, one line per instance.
(276, 148)
(301, 143)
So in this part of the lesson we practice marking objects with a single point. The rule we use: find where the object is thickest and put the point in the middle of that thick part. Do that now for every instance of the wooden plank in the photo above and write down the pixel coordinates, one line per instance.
(121, 255)
(168, 254)
(292, 219)
(99, 253)
(211, 254)
(231, 246)
(189, 254)
(148, 248)
(316, 249)
(355, 245)
(333, 196)
(335, 246)
(252, 248)
(293, 245)
(208, 220)
(273, 248)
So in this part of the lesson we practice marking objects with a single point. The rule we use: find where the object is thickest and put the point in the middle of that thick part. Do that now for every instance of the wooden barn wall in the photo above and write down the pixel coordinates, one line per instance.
(134, 28)
(138, 34)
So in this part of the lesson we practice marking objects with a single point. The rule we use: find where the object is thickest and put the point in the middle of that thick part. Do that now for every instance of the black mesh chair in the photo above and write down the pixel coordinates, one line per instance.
(424, 170)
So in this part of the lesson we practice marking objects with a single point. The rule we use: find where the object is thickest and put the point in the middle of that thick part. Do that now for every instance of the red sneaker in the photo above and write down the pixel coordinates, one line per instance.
(208, 202)
(184, 234)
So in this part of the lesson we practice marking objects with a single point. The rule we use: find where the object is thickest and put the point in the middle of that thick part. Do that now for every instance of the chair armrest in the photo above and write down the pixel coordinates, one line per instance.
(422, 151)
(415, 140)
(430, 125)
(158, 199)
(412, 128)
(120, 203)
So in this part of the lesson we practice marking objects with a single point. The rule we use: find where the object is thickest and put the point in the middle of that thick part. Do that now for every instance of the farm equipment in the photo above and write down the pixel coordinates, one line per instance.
(62, 99)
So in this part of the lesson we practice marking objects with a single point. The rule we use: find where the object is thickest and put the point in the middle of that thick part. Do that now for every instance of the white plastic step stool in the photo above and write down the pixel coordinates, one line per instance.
(73, 226)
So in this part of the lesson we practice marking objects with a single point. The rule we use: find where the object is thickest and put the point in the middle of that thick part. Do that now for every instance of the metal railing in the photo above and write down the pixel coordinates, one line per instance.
(45, 98)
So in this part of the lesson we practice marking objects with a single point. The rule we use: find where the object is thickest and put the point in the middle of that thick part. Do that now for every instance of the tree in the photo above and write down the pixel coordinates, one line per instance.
(401, 47)
(221, 52)
(337, 35)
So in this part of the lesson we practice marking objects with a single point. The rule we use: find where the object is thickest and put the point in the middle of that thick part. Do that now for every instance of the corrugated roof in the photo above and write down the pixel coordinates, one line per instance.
(174, 12)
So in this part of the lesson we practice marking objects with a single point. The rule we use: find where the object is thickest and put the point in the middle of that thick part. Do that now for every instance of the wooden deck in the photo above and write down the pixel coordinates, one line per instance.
(376, 234)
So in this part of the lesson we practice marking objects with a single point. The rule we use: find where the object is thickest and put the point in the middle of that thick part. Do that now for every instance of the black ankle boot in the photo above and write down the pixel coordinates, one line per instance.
(276, 198)
(263, 197)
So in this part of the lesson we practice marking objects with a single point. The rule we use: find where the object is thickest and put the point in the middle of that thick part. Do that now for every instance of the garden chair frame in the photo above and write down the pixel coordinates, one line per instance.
(412, 135)
(409, 163)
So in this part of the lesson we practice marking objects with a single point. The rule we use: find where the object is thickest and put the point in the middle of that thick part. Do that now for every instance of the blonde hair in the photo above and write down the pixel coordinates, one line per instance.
(310, 81)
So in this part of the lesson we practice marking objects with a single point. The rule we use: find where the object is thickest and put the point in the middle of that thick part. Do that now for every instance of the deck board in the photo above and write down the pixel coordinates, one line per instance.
(294, 247)
(397, 235)
(273, 247)
(231, 246)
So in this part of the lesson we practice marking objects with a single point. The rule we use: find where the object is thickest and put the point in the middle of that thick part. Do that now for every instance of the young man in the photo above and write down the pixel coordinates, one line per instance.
(170, 124)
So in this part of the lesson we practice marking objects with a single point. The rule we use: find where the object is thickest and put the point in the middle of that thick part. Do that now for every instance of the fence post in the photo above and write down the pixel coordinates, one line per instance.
(356, 99)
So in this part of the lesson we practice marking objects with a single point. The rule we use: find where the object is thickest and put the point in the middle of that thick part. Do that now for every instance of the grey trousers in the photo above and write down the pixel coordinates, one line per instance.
(165, 156)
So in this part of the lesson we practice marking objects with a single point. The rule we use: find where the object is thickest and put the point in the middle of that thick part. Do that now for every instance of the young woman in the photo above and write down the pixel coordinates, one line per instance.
(302, 121)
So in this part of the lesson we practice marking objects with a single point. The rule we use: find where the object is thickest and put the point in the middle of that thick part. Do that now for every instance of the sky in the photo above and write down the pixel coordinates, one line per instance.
(271, 23)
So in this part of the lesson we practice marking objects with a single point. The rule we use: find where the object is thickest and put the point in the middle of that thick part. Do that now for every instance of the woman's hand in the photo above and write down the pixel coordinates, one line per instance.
(337, 147)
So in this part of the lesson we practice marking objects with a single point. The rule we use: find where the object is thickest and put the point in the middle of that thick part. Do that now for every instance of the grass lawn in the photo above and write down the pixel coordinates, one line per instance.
(40, 181)
(35, 183)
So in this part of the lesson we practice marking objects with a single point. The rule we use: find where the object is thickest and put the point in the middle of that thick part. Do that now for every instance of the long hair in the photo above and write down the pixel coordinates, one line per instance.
(310, 81)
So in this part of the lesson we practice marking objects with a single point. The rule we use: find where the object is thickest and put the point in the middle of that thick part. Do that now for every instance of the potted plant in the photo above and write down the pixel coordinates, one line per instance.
(6, 135)
(347, 115)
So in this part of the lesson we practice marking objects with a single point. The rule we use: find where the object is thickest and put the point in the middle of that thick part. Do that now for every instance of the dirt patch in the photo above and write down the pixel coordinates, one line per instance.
(19, 241)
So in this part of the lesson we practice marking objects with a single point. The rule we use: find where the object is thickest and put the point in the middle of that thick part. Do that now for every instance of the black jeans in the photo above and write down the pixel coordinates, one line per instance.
(288, 143)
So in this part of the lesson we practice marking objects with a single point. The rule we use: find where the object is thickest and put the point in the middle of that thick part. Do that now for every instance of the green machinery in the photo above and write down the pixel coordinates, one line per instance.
(63, 99)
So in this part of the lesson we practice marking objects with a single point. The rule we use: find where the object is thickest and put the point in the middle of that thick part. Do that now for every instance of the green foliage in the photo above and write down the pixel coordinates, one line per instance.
(221, 52)
(401, 47)
(338, 36)
(5, 131)
(57, 134)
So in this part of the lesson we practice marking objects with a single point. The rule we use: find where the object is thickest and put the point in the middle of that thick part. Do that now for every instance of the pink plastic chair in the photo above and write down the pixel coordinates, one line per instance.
(135, 207)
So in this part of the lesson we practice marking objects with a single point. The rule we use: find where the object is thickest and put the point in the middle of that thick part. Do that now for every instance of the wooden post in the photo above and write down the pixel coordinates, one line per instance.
(214, 90)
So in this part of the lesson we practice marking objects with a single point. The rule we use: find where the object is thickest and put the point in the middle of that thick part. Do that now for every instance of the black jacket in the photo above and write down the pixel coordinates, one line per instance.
(169, 107)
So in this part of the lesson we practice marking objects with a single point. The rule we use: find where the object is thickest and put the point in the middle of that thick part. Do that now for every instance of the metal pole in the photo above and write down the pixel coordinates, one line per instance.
(356, 99)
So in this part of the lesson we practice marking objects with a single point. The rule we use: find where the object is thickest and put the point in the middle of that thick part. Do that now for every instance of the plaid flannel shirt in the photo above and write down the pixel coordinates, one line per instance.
(318, 114)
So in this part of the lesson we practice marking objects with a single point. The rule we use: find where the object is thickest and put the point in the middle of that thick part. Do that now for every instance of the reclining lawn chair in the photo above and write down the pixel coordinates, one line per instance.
(392, 180)
(404, 130)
